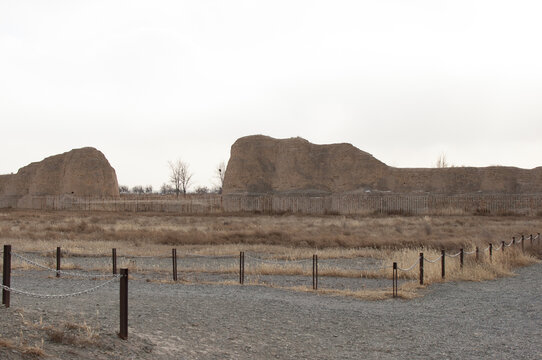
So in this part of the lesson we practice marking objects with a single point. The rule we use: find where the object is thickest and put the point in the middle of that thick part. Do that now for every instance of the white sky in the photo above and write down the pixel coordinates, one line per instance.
(147, 82)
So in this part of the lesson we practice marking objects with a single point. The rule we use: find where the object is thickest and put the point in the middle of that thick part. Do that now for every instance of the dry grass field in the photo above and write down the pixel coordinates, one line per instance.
(280, 237)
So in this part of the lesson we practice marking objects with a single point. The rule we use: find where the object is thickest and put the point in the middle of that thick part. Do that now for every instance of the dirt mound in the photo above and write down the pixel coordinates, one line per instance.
(261, 164)
(79, 172)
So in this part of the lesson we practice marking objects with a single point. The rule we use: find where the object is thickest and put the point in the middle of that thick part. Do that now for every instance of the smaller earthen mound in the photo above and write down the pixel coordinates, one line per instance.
(81, 173)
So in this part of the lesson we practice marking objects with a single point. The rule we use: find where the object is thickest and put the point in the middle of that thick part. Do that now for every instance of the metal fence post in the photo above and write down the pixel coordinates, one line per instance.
(523, 243)
(443, 263)
(123, 334)
(114, 259)
(6, 276)
(531, 237)
(502, 246)
(477, 254)
(513, 240)
(58, 261)
(394, 280)
(174, 258)
(461, 258)
(421, 268)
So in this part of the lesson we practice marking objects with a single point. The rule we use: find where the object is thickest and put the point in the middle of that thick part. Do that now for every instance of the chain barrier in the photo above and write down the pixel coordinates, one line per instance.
(188, 256)
(432, 261)
(60, 296)
(277, 261)
(62, 272)
(487, 249)
(452, 256)
(497, 248)
(469, 252)
(410, 268)
(508, 245)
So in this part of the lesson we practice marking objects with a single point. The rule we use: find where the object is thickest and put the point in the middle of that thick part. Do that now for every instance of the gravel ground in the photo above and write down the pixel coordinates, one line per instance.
(499, 319)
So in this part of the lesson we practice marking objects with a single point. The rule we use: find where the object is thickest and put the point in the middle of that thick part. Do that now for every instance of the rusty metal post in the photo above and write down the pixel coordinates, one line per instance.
(477, 254)
(123, 333)
(531, 237)
(114, 258)
(502, 246)
(421, 268)
(490, 252)
(174, 258)
(443, 263)
(394, 280)
(522, 243)
(58, 261)
(6, 275)
(461, 258)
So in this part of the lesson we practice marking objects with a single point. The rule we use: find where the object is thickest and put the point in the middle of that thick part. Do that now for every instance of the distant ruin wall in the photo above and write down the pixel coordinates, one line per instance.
(77, 173)
(264, 165)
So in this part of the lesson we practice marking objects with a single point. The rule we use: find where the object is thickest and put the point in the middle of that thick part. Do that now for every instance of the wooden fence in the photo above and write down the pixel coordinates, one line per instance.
(362, 204)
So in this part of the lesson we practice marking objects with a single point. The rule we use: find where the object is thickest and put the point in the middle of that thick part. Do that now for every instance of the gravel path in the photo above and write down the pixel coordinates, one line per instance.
(499, 319)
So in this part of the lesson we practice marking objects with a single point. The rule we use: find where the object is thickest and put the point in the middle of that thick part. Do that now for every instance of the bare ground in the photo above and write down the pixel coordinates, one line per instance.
(466, 320)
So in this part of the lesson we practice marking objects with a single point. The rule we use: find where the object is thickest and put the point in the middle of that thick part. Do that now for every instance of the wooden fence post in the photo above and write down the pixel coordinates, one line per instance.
(114, 259)
(394, 279)
(443, 264)
(6, 276)
(58, 261)
(174, 258)
(421, 268)
(123, 334)
(315, 272)
(241, 267)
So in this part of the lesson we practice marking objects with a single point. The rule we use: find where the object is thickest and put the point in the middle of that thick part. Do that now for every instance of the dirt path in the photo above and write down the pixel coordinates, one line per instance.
(495, 319)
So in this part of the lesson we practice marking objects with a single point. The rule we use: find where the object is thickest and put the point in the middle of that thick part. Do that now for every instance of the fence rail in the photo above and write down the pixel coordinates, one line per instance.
(363, 204)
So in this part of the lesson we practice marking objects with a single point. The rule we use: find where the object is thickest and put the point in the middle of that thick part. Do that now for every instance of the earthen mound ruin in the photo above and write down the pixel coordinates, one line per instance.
(263, 165)
(81, 172)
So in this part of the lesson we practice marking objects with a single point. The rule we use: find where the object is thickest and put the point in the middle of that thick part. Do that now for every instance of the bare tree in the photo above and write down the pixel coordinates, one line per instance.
(442, 162)
(220, 171)
(180, 176)
(138, 189)
(166, 189)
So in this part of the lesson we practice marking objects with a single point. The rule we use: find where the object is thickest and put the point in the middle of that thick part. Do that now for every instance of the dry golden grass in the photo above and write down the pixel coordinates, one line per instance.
(148, 234)
(285, 238)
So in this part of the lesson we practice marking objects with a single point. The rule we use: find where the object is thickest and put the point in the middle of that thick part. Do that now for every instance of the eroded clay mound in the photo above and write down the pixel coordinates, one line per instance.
(81, 172)
(261, 164)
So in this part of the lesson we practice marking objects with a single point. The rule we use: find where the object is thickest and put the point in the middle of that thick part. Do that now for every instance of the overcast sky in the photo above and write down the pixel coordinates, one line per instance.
(146, 82)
